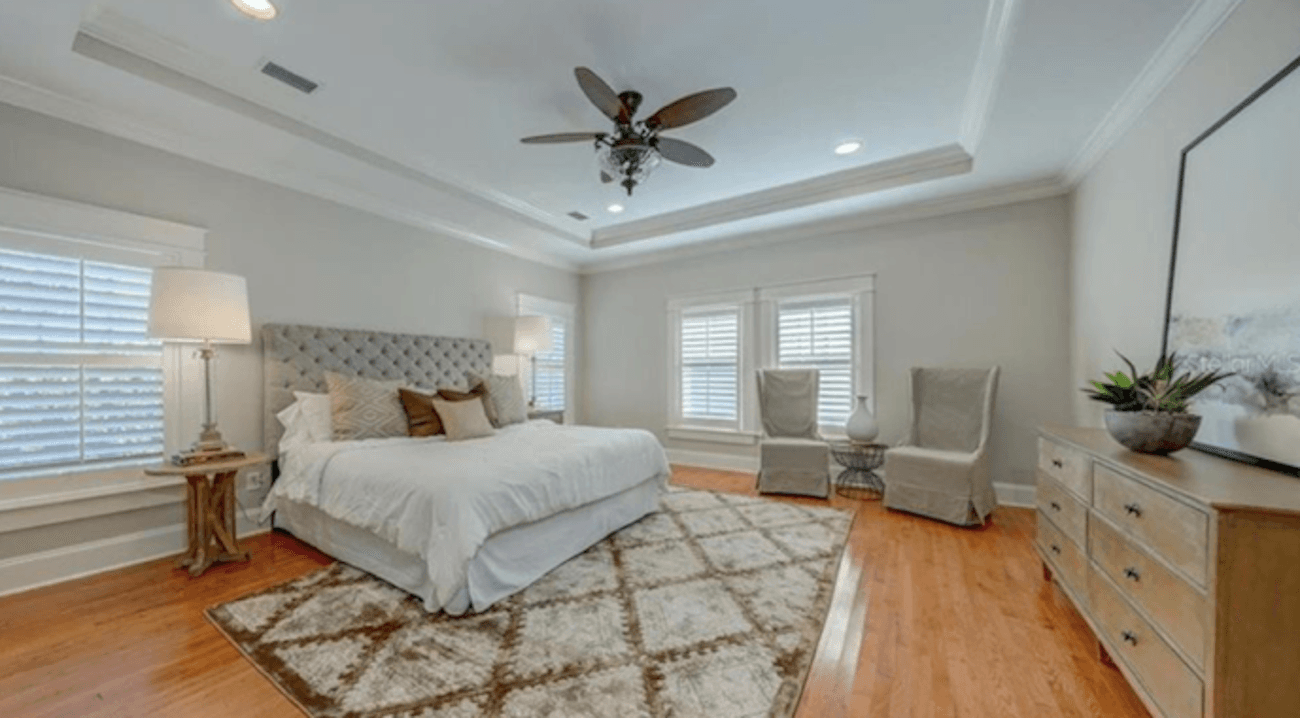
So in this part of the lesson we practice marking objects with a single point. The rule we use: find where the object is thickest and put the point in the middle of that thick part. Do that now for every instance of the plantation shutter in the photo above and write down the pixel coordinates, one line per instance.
(710, 353)
(819, 334)
(549, 379)
(81, 383)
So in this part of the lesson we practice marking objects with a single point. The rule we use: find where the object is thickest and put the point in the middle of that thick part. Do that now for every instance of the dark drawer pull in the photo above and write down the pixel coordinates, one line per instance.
(1130, 638)
(1132, 573)
(1058, 463)
(1056, 549)
(1133, 509)
(1055, 506)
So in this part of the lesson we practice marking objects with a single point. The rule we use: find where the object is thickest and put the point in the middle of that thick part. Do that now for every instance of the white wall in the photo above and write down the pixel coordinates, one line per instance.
(1123, 212)
(307, 261)
(972, 289)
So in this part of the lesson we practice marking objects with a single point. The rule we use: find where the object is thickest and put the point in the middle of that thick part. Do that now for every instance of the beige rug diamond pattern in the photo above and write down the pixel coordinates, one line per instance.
(712, 607)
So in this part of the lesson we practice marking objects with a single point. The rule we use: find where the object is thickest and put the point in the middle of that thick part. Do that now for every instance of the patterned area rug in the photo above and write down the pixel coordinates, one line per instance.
(712, 607)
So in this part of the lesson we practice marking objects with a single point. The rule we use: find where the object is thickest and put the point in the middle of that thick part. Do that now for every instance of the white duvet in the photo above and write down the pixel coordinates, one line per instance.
(441, 500)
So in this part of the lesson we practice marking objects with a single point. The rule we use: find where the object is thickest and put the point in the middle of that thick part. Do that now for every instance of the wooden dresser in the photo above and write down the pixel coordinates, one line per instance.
(1187, 568)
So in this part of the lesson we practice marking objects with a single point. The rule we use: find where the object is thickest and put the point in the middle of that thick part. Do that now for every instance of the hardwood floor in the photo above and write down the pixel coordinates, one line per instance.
(937, 621)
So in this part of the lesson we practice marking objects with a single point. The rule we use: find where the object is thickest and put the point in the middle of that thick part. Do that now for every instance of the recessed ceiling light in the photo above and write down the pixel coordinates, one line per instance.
(848, 147)
(615, 208)
(260, 9)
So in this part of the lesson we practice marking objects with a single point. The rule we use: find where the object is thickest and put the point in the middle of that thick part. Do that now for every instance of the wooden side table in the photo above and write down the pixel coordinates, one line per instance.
(555, 415)
(210, 493)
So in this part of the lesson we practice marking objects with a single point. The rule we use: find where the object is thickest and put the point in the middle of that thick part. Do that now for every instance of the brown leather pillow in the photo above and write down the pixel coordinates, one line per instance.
(421, 418)
(478, 391)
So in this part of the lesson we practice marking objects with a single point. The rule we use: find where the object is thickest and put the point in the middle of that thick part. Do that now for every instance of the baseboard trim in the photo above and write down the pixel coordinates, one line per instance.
(68, 563)
(1015, 495)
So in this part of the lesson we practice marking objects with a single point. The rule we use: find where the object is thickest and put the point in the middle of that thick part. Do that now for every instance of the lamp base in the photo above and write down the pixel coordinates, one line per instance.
(210, 448)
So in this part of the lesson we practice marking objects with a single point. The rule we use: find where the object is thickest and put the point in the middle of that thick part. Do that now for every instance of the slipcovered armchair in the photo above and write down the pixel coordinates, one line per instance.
(942, 469)
(793, 459)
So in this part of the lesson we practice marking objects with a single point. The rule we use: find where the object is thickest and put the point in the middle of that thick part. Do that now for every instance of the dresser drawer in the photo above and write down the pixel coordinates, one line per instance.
(1174, 530)
(1170, 683)
(1070, 467)
(1068, 513)
(1168, 599)
(1068, 559)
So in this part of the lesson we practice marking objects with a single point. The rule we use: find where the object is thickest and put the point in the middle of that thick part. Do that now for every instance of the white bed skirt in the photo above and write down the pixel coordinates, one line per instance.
(508, 562)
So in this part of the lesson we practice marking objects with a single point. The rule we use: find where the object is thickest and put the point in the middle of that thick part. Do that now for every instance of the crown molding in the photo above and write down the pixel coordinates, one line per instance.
(999, 27)
(898, 214)
(1187, 37)
(122, 43)
(944, 161)
(85, 114)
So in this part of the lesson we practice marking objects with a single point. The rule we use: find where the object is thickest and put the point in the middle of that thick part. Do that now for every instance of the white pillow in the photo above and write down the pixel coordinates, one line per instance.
(306, 421)
(315, 414)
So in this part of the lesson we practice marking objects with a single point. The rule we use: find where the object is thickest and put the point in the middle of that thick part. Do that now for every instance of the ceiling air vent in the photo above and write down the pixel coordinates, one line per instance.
(579, 216)
(290, 78)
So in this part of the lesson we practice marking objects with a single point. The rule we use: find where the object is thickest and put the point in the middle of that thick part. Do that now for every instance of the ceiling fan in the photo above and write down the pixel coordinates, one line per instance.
(635, 148)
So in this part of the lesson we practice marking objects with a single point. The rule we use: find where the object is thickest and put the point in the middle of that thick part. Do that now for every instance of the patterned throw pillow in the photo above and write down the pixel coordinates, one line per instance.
(505, 396)
(364, 408)
(463, 419)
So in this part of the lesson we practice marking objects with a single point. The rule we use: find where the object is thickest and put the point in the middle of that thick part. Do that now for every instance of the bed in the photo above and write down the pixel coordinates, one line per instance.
(461, 525)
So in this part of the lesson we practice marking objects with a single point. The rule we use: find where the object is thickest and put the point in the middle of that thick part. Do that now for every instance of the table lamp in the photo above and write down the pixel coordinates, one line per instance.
(207, 308)
(521, 336)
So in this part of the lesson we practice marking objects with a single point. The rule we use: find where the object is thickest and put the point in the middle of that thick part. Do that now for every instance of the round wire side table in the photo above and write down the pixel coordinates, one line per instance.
(859, 479)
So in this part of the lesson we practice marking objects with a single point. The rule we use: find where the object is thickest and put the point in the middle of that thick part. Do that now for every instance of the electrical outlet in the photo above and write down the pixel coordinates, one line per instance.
(255, 480)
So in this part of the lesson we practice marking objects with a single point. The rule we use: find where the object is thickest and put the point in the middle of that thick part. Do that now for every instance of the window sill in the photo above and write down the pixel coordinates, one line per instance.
(713, 435)
(113, 497)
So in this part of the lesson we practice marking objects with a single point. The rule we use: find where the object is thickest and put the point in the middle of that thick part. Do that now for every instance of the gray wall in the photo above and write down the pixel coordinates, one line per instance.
(1123, 212)
(307, 260)
(972, 289)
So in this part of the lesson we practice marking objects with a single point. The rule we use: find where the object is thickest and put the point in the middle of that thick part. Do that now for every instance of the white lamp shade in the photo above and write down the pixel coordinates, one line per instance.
(193, 305)
(518, 335)
(532, 335)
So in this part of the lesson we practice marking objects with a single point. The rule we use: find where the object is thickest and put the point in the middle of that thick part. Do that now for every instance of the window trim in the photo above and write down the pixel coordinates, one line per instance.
(528, 305)
(34, 223)
(758, 337)
(743, 302)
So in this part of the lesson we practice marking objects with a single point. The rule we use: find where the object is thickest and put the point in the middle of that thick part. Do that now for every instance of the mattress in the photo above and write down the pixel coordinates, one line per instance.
(508, 562)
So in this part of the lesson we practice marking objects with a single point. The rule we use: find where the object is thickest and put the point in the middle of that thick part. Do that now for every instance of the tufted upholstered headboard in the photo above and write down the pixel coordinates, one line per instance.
(295, 358)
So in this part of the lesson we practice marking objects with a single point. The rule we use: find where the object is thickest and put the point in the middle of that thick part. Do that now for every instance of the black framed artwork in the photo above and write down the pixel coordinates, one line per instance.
(1233, 300)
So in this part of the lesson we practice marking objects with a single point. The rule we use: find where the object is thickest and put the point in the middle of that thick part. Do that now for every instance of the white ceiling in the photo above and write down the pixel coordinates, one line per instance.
(422, 104)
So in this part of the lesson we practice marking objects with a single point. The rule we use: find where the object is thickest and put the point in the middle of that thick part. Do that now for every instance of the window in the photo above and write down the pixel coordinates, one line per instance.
(553, 378)
(709, 349)
(818, 333)
(549, 379)
(81, 384)
(717, 342)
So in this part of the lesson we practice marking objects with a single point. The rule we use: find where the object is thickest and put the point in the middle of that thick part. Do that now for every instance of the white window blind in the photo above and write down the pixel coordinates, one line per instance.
(710, 354)
(81, 383)
(549, 377)
(818, 333)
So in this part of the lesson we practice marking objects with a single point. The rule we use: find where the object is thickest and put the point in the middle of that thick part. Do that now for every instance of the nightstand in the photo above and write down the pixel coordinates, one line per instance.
(555, 415)
(210, 506)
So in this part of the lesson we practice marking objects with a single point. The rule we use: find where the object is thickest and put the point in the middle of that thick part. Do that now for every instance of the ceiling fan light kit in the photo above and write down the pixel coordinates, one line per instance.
(635, 148)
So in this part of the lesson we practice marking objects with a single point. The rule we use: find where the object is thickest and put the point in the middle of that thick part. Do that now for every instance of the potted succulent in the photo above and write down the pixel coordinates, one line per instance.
(1149, 411)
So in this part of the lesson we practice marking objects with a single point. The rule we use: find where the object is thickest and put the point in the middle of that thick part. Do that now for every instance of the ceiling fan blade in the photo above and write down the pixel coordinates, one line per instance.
(563, 137)
(600, 94)
(604, 177)
(691, 108)
(683, 153)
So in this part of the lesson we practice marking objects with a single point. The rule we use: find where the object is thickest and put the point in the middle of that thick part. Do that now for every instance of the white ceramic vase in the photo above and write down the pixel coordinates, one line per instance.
(862, 426)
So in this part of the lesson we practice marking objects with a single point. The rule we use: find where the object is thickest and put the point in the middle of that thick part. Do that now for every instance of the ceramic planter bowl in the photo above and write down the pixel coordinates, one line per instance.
(1152, 433)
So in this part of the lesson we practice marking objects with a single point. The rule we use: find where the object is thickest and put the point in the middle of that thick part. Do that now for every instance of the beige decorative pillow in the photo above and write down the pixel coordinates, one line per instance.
(505, 395)
(463, 419)
(364, 408)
